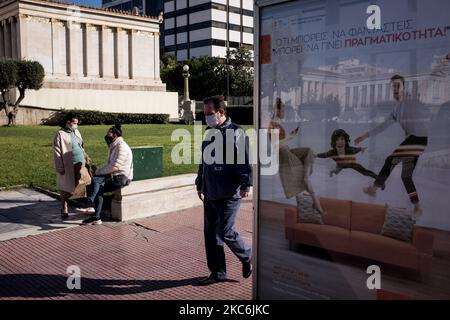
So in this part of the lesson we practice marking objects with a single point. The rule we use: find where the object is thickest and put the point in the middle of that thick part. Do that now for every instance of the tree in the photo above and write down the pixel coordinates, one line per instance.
(21, 75)
(204, 80)
(168, 64)
(209, 74)
(8, 80)
(241, 72)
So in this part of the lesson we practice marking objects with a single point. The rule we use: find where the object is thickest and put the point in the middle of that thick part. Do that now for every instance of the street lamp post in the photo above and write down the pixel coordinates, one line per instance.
(185, 111)
(186, 76)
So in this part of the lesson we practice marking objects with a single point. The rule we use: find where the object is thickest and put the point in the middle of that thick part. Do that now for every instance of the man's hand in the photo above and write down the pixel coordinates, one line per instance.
(361, 138)
(200, 195)
(243, 194)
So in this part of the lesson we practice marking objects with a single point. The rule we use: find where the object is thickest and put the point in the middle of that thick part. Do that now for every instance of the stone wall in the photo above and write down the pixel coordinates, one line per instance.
(28, 116)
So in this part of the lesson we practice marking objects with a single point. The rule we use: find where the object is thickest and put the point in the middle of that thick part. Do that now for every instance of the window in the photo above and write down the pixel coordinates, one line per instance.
(247, 29)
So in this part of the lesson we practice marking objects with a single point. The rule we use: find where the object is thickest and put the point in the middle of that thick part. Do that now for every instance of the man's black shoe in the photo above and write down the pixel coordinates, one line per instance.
(247, 269)
(211, 279)
(92, 220)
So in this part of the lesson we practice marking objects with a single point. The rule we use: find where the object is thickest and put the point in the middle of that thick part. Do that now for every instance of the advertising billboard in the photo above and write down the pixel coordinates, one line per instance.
(357, 99)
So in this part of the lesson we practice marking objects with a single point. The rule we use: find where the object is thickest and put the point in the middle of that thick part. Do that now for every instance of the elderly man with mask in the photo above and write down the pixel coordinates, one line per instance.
(224, 178)
(116, 174)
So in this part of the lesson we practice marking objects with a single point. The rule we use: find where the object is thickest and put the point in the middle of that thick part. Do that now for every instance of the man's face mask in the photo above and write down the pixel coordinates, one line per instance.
(109, 138)
(212, 120)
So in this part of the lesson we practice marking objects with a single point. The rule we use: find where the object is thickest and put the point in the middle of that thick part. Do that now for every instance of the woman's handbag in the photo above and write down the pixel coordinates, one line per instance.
(89, 164)
(85, 177)
(83, 181)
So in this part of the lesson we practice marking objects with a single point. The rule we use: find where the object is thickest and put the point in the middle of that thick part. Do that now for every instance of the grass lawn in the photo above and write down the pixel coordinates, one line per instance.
(26, 151)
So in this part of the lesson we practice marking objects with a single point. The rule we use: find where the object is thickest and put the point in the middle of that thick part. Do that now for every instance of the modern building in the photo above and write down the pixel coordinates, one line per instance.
(93, 58)
(146, 7)
(153, 8)
(207, 27)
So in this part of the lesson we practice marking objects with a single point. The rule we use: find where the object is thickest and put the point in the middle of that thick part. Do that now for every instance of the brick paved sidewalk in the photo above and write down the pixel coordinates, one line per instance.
(159, 257)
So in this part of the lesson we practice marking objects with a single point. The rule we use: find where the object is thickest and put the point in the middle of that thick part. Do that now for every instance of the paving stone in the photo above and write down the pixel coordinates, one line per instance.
(159, 257)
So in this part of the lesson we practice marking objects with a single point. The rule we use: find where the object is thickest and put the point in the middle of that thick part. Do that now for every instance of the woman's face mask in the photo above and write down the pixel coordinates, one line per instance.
(109, 138)
(72, 126)
(212, 120)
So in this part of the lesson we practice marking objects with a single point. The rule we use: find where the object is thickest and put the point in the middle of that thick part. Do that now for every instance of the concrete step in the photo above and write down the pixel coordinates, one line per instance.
(155, 196)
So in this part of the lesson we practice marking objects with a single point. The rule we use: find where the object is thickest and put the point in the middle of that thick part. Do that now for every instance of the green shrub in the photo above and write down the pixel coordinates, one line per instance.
(91, 117)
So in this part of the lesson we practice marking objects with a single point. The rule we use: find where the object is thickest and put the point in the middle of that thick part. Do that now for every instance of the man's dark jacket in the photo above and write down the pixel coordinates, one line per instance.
(219, 179)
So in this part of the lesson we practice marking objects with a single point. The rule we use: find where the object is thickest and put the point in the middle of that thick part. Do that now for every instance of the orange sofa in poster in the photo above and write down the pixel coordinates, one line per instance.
(355, 228)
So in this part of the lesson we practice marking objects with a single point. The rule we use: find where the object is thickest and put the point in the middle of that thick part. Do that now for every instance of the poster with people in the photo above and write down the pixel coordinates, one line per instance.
(359, 99)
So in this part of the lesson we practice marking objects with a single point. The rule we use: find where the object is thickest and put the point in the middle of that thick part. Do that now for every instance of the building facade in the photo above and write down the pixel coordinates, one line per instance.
(93, 58)
(358, 86)
(146, 7)
(207, 27)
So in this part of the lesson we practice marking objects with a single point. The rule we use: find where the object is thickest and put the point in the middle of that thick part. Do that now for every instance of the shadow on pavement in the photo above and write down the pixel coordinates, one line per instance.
(46, 285)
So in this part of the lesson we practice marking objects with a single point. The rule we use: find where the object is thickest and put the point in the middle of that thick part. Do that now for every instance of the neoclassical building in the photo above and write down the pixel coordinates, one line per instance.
(93, 58)
(359, 86)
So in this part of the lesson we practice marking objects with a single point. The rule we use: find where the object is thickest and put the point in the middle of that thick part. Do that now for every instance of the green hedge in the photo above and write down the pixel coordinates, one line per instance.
(90, 117)
(239, 114)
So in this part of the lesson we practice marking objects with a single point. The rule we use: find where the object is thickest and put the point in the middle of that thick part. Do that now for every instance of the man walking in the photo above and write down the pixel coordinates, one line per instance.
(224, 178)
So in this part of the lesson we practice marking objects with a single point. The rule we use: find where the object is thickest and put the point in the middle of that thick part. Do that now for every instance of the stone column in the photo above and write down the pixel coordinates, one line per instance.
(22, 22)
(322, 90)
(154, 64)
(121, 54)
(132, 66)
(316, 90)
(7, 38)
(107, 53)
(2, 44)
(59, 62)
(356, 96)
(308, 92)
(13, 24)
(91, 51)
(156, 54)
(75, 49)
(304, 91)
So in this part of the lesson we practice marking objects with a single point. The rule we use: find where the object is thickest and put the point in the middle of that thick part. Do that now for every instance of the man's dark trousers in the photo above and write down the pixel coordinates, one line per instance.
(220, 217)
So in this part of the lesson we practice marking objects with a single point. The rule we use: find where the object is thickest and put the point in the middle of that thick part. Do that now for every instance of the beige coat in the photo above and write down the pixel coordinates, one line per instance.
(62, 153)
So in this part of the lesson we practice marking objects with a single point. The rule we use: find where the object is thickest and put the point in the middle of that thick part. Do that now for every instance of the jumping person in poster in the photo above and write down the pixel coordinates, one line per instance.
(410, 116)
(296, 164)
(343, 154)
(409, 113)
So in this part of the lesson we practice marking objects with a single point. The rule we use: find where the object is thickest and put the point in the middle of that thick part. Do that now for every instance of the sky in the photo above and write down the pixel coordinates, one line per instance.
(90, 3)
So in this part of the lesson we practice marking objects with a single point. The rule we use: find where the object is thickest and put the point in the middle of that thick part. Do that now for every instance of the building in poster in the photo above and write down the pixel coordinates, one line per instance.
(320, 69)
(358, 86)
